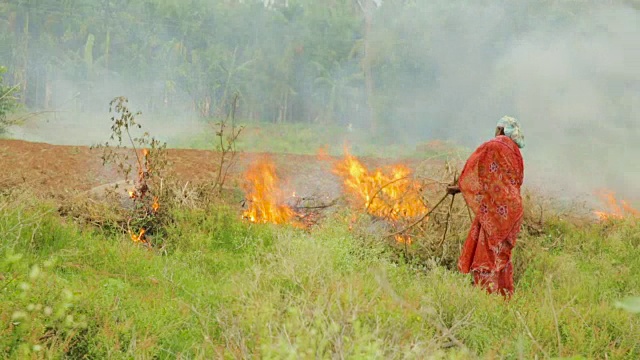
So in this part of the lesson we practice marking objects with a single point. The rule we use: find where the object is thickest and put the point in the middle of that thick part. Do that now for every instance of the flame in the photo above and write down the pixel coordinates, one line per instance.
(145, 152)
(616, 209)
(155, 206)
(132, 194)
(263, 195)
(403, 239)
(392, 195)
(140, 237)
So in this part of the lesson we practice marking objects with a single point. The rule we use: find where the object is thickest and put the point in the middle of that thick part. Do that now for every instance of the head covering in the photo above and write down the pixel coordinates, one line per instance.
(512, 130)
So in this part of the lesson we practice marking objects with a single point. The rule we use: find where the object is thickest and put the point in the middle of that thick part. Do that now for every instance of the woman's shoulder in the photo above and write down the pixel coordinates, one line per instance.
(501, 142)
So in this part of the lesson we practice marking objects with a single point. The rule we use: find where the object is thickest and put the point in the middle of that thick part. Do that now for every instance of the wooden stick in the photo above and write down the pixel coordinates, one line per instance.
(469, 211)
(419, 220)
(446, 226)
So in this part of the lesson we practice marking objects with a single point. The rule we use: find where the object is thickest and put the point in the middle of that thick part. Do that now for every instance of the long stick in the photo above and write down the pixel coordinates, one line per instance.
(419, 220)
(446, 226)
(469, 212)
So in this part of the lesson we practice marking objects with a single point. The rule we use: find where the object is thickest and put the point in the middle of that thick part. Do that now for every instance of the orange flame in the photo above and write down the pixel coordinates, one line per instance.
(263, 195)
(140, 237)
(156, 205)
(616, 209)
(393, 195)
(403, 239)
(144, 169)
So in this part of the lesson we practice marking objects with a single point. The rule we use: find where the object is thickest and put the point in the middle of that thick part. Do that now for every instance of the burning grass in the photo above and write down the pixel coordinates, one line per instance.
(392, 195)
(614, 208)
(264, 197)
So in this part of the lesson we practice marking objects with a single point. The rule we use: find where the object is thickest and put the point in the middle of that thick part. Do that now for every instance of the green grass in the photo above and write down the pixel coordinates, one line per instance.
(308, 138)
(222, 288)
(179, 131)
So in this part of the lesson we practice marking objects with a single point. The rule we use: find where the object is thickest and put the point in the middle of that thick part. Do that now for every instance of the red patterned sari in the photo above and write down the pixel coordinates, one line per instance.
(490, 183)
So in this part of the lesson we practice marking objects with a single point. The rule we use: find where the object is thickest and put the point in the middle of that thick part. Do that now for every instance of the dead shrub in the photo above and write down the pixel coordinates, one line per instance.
(135, 205)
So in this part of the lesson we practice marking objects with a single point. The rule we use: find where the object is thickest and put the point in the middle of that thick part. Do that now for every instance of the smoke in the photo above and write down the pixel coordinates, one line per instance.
(569, 71)
(79, 113)
(573, 84)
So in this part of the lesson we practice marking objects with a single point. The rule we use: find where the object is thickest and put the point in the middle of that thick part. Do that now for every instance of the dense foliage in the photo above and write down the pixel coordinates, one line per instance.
(364, 62)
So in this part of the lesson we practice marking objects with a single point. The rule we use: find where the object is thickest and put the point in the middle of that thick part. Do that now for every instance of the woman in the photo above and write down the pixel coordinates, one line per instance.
(490, 183)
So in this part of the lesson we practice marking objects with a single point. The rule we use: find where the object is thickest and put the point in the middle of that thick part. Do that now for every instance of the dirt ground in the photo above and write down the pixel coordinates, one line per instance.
(59, 170)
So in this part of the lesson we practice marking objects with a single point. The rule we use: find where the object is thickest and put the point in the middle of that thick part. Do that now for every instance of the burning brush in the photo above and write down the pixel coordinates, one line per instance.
(140, 196)
(266, 202)
(392, 195)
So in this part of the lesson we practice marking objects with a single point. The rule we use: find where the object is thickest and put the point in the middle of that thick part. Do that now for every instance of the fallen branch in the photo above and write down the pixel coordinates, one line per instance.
(419, 220)
(446, 226)
(317, 207)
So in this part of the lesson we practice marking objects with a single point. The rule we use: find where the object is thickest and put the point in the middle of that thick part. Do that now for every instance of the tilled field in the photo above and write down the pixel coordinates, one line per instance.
(57, 170)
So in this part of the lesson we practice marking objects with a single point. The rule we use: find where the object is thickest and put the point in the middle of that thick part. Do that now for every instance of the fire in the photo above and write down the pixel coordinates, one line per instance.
(155, 206)
(264, 195)
(144, 169)
(140, 237)
(617, 209)
(403, 239)
(392, 195)
(139, 196)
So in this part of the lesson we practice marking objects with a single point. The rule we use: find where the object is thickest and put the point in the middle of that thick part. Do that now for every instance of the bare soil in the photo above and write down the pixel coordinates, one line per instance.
(60, 170)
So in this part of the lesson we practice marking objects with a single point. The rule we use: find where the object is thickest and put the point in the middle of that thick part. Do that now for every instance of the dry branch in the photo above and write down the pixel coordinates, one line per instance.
(420, 219)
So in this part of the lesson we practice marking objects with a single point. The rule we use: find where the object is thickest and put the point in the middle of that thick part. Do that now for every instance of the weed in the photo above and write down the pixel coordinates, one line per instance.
(147, 217)
(226, 147)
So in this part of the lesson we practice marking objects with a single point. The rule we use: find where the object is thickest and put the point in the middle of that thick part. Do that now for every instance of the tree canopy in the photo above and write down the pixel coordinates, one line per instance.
(340, 61)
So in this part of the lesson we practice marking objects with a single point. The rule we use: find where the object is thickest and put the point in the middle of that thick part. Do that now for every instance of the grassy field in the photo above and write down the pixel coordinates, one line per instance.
(219, 287)
(222, 288)
(308, 138)
(68, 128)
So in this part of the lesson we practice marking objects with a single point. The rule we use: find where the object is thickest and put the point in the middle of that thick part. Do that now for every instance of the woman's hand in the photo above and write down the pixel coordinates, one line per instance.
(453, 189)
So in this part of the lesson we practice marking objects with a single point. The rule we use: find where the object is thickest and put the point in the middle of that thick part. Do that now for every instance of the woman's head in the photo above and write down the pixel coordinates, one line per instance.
(509, 126)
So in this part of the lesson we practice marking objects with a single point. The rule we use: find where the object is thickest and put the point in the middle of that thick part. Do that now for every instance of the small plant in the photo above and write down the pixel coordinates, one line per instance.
(147, 216)
(226, 145)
